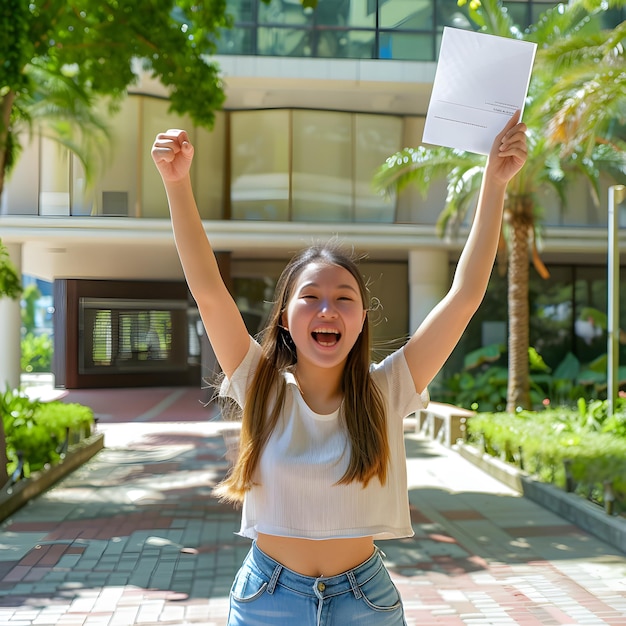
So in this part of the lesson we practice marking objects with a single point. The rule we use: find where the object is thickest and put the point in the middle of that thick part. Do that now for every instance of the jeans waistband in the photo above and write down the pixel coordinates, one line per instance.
(321, 586)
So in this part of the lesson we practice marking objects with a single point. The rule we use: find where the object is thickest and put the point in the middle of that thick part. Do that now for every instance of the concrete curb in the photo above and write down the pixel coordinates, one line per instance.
(571, 507)
(18, 495)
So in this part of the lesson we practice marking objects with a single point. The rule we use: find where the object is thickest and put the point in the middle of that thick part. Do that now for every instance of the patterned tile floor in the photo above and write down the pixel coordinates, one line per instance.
(134, 537)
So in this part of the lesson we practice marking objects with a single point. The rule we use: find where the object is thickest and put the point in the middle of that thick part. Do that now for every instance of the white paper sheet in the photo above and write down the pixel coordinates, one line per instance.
(481, 80)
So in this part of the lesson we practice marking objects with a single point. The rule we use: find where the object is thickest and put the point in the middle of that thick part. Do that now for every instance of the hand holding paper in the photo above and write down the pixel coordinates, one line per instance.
(481, 80)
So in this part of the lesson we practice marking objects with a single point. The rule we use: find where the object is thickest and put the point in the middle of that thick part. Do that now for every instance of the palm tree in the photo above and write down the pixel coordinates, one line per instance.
(576, 97)
(57, 107)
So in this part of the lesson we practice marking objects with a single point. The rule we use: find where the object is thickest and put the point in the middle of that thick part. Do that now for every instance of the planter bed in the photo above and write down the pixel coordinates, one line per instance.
(574, 508)
(16, 496)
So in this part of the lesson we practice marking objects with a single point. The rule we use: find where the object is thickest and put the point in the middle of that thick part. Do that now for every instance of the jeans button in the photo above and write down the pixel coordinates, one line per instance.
(321, 586)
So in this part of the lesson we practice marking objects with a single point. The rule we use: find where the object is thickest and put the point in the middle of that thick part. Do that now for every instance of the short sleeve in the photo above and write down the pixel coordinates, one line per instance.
(393, 377)
(236, 386)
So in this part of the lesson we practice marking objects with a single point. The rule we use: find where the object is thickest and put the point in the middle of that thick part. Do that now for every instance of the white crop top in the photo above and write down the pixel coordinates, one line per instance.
(296, 494)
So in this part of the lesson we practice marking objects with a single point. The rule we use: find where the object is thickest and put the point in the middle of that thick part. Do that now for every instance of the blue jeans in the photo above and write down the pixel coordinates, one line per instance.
(267, 594)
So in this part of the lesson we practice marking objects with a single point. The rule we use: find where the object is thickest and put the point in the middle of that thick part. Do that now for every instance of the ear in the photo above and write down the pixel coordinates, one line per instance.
(282, 323)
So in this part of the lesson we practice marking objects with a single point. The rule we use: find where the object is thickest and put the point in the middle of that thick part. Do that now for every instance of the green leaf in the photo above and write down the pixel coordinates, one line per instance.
(568, 368)
(487, 354)
(10, 282)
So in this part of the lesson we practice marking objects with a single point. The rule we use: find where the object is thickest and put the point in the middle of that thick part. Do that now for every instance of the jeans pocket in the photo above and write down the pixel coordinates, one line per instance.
(248, 586)
(379, 592)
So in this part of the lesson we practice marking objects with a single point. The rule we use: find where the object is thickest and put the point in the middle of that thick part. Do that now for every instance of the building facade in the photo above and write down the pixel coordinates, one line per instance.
(316, 101)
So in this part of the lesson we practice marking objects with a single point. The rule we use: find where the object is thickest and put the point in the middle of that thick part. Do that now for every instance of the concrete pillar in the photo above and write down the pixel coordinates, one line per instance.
(10, 329)
(429, 281)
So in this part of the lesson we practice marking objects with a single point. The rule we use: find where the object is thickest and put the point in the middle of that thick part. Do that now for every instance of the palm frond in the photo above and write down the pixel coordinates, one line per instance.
(557, 22)
(463, 185)
(420, 166)
(494, 19)
(59, 108)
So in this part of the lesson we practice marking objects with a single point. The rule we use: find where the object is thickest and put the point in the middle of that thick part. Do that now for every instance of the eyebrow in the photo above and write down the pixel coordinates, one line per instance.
(342, 286)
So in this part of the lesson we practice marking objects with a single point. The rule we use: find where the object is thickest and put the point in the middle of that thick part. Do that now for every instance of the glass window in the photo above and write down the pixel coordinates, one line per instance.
(260, 165)
(241, 10)
(322, 166)
(406, 46)
(285, 28)
(54, 172)
(331, 44)
(115, 191)
(551, 314)
(345, 13)
(519, 11)
(240, 40)
(285, 12)
(375, 138)
(406, 14)
(357, 44)
(131, 335)
(590, 313)
(285, 42)
(155, 119)
(448, 13)
(208, 169)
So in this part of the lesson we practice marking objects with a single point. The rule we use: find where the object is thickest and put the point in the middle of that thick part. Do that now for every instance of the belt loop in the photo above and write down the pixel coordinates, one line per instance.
(355, 587)
(274, 579)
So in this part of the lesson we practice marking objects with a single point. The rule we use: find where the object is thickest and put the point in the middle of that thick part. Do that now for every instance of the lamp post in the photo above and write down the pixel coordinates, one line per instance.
(617, 193)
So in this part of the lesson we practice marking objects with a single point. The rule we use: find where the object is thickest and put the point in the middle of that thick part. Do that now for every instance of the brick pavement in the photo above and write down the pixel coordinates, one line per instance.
(134, 537)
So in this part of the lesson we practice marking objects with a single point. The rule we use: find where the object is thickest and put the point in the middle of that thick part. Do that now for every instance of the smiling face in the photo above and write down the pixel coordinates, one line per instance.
(324, 314)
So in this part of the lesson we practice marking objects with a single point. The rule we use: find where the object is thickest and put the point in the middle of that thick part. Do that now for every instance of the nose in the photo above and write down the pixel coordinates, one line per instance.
(326, 309)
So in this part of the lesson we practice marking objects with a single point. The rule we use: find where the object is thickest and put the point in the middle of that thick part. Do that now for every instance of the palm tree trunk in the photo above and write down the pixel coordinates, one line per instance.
(518, 394)
(6, 104)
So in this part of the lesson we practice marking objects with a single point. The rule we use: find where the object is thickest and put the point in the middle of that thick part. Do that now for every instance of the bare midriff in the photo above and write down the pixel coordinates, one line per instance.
(312, 557)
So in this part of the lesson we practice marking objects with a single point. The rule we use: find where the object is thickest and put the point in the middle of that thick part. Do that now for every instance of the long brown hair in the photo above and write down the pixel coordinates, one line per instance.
(363, 409)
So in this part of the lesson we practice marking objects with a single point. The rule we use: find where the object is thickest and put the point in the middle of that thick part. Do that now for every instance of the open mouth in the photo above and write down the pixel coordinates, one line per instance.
(326, 337)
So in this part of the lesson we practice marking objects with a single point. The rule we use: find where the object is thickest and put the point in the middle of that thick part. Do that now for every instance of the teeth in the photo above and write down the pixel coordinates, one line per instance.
(328, 331)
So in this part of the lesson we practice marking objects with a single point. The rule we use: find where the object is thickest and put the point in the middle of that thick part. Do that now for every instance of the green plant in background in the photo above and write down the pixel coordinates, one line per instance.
(30, 296)
(10, 283)
(40, 431)
(37, 351)
(581, 449)
(10, 287)
(482, 384)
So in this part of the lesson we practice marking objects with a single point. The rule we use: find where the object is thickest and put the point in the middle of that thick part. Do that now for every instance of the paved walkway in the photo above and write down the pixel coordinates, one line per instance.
(134, 537)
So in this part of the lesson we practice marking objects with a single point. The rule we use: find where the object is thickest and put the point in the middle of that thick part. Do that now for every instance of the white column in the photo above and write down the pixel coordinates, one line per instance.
(429, 281)
(10, 329)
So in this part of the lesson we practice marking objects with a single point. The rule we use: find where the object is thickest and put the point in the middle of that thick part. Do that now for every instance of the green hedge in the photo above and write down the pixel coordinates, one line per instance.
(576, 450)
(40, 431)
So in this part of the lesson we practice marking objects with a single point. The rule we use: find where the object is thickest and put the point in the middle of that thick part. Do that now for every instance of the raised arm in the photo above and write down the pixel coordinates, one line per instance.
(172, 153)
(432, 343)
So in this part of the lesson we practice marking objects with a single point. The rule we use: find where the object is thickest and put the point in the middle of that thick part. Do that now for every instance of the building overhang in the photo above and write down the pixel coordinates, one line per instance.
(140, 248)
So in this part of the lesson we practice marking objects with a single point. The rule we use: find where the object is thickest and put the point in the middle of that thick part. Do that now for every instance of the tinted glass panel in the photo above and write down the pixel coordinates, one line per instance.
(286, 42)
(345, 13)
(322, 166)
(375, 138)
(409, 46)
(260, 165)
(406, 14)
(240, 40)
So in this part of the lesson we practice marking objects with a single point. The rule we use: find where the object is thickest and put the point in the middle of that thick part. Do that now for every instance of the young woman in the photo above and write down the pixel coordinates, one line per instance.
(321, 467)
